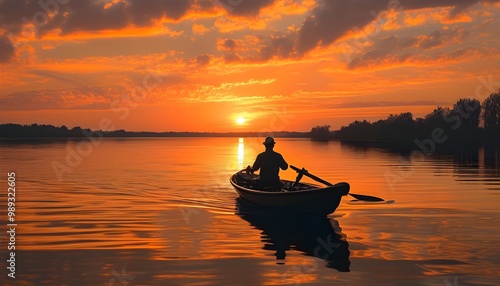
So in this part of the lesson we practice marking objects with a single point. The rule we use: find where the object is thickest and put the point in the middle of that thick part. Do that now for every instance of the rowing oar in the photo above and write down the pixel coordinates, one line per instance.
(359, 197)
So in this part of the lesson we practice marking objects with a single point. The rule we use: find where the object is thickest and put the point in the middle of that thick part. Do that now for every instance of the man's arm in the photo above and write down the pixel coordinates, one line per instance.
(257, 163)
(284, 164)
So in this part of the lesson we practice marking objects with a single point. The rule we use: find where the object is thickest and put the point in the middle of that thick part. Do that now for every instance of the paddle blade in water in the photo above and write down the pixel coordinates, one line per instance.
(366, 198)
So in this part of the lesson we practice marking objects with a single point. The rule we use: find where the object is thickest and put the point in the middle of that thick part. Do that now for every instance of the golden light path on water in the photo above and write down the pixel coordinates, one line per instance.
(241, 153)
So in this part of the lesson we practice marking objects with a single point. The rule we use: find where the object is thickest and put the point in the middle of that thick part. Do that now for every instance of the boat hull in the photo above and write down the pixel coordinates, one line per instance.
(310, 199)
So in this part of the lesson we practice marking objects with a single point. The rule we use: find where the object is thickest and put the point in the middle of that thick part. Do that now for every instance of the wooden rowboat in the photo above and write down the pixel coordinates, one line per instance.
(295, 199)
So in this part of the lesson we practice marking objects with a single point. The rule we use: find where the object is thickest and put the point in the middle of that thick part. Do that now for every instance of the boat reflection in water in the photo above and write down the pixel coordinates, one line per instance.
(312, 235)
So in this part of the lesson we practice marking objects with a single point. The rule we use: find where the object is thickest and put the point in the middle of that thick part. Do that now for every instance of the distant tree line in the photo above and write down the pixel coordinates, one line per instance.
(39, 131)
(19, 131)
(468, 119)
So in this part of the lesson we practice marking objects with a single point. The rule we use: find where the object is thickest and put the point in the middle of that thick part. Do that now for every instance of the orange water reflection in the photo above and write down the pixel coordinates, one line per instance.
(163, 209)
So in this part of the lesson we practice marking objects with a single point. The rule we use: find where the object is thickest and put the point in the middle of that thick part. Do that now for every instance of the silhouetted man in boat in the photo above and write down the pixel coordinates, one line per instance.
(269, 163)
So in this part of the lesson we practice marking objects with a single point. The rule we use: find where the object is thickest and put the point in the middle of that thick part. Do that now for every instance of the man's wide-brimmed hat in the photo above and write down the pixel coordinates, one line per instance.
(269, 141)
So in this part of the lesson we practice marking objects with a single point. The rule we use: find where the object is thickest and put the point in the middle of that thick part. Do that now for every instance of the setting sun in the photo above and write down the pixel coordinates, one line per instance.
(240, 120)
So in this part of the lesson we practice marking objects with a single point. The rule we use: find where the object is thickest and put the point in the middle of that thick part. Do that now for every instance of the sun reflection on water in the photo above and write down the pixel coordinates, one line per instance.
(241, 153)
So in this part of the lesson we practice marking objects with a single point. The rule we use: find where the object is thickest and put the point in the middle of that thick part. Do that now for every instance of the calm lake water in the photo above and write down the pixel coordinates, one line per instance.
(161, 211)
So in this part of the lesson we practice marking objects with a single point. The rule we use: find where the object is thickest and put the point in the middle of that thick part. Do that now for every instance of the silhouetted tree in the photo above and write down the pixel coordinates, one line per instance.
(469, 110)
(435, 118)
(463, 120)
(357, 130)
(321, 132)
(491, 112)
(76, 131)
(399, 127)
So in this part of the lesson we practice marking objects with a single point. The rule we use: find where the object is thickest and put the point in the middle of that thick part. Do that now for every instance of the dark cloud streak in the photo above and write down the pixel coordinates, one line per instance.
(61, 99)
(58, 76)
(372, 104)
(247, 8)
(7, 50)
(394, 49)
(202, 60)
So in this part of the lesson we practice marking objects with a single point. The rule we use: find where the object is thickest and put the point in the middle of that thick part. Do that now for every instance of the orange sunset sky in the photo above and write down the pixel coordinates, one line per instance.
(200, 65)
